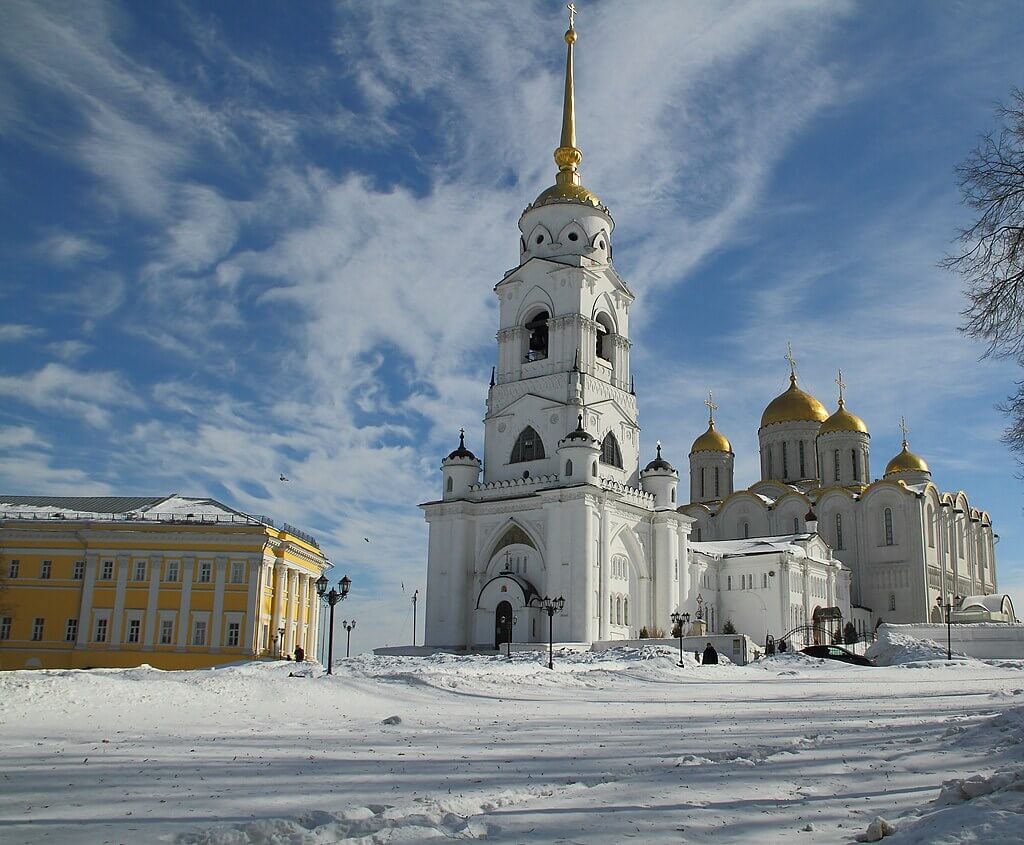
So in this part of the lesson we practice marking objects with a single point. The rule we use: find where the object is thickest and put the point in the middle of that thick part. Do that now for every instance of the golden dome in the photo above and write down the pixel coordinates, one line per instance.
(793, 406)
(906, 461)
(711, 440)
(843, 420)
(569, 193)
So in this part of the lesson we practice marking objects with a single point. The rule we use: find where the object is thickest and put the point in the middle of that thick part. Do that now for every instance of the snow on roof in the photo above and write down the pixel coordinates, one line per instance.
(754, 545)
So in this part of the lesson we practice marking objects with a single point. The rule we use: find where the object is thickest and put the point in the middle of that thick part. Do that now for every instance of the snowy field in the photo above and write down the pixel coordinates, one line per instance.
(608, 748)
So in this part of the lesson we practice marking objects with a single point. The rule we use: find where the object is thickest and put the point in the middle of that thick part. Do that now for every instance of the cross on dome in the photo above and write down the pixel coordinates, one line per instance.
(572, 13)
(842, 387)
(712, 407)
(904, 429)
(791, 359)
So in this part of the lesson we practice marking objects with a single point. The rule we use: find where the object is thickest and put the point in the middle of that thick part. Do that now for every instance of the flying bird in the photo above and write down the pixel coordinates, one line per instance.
(284, 477)
(367, 539)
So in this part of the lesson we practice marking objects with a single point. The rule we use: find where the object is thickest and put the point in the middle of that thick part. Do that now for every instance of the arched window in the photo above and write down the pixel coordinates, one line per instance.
(568, 469)
(803, 468)
(449, 485)
(892, 601)
(785, 462)
(618, 611)
(702, 494)
(604, 331)
(625, 611)
(699, 533)
(746, 530)
(611, 609)
(717, 486)
(796, 525)
(529, 446)
(888, 527)
(835, 461)
(537, 347)
(839, 530)
(856, 465)
(673, 494)
(610, 452)
(768, 462)
(593, 469)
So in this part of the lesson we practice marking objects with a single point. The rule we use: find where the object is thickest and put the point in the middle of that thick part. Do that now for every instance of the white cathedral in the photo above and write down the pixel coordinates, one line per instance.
(563, 509)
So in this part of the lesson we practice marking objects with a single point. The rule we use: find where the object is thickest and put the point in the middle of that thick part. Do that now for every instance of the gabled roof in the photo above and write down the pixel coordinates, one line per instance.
(80, 504)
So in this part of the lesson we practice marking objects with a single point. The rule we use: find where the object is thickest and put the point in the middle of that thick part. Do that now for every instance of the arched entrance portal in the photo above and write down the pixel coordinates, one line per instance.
(502, 624)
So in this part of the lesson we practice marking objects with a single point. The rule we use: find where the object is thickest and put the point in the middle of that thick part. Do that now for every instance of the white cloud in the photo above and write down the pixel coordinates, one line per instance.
(88, 396)
(66, 249)
(17, 332)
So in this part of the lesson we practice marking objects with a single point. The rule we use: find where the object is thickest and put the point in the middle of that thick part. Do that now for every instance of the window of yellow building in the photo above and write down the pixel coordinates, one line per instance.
(5, 627)
(233, 631)
(37, 628)
(71, 631)
(172, 571)
(204, 573)
(199, 632)
(12, 570)
(166, 631)
(140, 570)
(101, 630)
(108, 570)
(45, 568)
(79, 573)
(133, 630)
(237, 572)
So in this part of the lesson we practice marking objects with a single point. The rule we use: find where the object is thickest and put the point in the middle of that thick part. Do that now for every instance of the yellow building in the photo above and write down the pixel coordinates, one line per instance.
(172, 581)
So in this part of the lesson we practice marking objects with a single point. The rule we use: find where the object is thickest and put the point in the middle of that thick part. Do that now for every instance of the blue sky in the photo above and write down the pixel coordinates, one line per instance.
(245, 240)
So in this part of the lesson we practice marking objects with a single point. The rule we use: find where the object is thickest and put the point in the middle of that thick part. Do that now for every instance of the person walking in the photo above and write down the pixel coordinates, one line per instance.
(710, 655)
(300, 654)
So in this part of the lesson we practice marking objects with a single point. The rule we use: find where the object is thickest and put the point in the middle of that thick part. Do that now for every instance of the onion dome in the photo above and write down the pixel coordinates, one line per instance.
(906, 461)
(462, 451)
(712, 440)
(810, 516)
(659, 463)
(795, 405)
(842, 420)
(580, 433)
(567, 187)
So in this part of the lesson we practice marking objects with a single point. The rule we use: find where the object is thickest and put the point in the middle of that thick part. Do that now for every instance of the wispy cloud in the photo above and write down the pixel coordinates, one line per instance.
(17, 332)
(88, 396)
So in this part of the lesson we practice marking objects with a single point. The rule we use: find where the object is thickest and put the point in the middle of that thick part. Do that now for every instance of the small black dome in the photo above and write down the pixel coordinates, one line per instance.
(659, 463)
(580, 433)
(462, 451)
(810, 516)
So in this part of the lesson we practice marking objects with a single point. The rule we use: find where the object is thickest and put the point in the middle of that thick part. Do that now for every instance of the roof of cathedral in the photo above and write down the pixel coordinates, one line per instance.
(659, 463)
(843, 420)
(795, 405)
(906, 461)
(568, 187)
(793, 543)
(462, 451)
(711, 440)
(580, 433)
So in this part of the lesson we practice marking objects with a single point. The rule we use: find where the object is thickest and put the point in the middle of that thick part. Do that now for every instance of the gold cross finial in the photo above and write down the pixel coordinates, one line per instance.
(842, 387)
(572, 13)
(904, 429)
(712, 407)
(791, 359)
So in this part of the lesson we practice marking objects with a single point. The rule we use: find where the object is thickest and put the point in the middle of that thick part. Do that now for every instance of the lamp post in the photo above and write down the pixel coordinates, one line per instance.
(551, 607)
(348, 626)
(280, 642)
(415, 597)
(679, 620)
(949, 622)
(508, 642)
(331, 598)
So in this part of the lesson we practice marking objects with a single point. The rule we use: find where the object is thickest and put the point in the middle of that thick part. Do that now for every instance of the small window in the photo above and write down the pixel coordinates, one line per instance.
(37, 628)
(140, 570)
(672, 495)
(746, 530)
(448, 487)
(573, 236)
(699, 533)
(237, 572)
(728, 582)
(166, 631)
(856, 464)
(785, 462)
(133, 630)
(839, 531)
(835, 468)
(625, 611)
(233, 630)
(540, 239)
(568, 469)
(12, 570)
(528, 446)
(768, 462)
(702, 494)
(718, 493)
(5, 627)
(796, 525)
(593, 469)
(172, 571)
(101, 630)
(45, 568)
(79, 572)
(537, 327)
(71, 631)
(610, 452)
(108, 570)
(204, 572)
(887, 518)
(764, 580)
(803, 470)
(199, 633)
(892, 601)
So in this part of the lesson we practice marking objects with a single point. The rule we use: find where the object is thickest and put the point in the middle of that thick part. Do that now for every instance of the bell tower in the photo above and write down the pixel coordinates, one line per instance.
(563, 336)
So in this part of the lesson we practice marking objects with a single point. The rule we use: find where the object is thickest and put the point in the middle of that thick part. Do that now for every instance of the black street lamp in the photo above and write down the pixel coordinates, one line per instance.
(551, 607)
(678, 621)
(331, 598)
(949, 622)
(280, 642)
(348, 626)
(415, 598)
(508, 642)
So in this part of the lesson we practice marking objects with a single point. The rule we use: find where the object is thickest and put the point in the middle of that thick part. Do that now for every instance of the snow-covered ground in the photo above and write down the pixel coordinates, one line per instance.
(608, 748)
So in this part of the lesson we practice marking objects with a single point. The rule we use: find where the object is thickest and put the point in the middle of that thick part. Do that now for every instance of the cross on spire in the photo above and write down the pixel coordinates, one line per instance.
(904, 429)
(712, 407)
(791, 359)
(842, 387)
(572, 13)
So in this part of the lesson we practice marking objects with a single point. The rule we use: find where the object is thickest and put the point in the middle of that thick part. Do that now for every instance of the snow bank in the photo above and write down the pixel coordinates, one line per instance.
(896, 649)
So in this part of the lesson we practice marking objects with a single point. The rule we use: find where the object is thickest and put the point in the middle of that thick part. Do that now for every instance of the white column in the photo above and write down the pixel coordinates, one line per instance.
(187, 565)
(251, 625)
(582, 578)
(312, 633)
(151, 601)
(663, 560)
(279, 573)
(123, 563)
(220, 565)
(605, 570)
(85, 609)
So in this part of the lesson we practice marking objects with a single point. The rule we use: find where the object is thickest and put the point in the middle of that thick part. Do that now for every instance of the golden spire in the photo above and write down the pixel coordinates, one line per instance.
(792, 362)
(904, 429)
(712, 407)
(842, 387)
(568, 156)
